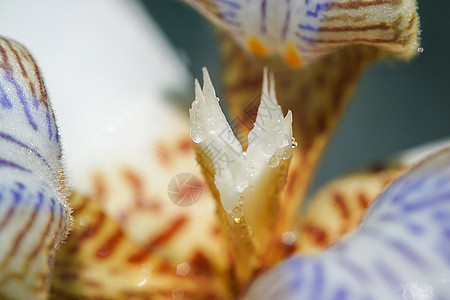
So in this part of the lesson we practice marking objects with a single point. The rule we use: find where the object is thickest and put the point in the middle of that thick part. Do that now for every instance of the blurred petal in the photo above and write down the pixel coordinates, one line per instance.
(99, 260)
(34, 215)
(301, 32)
(401, 249)
(339, 206)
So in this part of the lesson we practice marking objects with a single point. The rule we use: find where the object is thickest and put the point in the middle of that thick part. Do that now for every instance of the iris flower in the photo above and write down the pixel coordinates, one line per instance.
(215, 209)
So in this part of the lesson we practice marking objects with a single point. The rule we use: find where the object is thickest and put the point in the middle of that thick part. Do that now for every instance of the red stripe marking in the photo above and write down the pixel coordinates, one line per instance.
(108, 247)
(318, 234)
(341, 205)
(159, 240)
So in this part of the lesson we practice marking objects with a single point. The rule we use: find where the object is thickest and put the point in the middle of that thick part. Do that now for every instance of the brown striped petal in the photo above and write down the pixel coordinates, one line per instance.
(34, 216)
(301, 32)
(100, 261)
(339, 206)
(149, 208)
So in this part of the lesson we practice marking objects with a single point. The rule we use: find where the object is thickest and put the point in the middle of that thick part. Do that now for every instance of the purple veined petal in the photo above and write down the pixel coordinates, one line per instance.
(401, 250)
(303, 31)
(34, 216)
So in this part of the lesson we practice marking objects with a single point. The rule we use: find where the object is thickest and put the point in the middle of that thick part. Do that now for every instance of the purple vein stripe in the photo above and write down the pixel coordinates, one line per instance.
(353, 269)
(318, 281)
(387, 275)
(230, 3)
(427, 203)
(228, 14)
(232, 23)
(307, 27)
(306, 39)
(4, 101)
(319, 7)
(341, 294)
(408, 253)
(57, 136)
(23, 100)
(11, 139)
(49, 124)
(10, 164)
(286, 19)
(52, 206)
(40, 201)
(263, 16)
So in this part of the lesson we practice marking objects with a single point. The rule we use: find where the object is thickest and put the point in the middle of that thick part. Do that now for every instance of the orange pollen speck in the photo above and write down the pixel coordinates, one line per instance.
(291, 57)
(256, 47)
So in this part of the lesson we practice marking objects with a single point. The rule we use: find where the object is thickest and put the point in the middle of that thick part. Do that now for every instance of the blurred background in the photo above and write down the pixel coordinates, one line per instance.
(92, 52)
(397, 106)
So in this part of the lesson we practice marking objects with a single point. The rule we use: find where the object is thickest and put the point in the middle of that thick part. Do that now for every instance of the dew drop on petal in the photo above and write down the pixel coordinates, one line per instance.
(294, 143)
(183, 269)
(146, 267)
(269, 148)
(288, 238)
(213, 124)
(237, 213)
(177, 293)
(241, 186)
(286, 154)
(197, 135)
(241, 200)
(141, 282)
(273, 161)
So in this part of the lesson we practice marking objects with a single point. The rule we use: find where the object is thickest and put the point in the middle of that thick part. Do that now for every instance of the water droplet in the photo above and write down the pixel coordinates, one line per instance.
(183, 269)
(288, 238)
(213, 125)
(241, 200)
(177, 293)
(251, 136)
(237, 213)
(419, 50)
(287, 154)
(146, 267)
(273, 161)
(241, 186)
(197, 135)
(141, 282)
(269, 148)
(293, 143)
